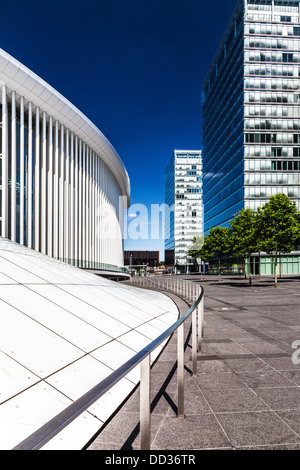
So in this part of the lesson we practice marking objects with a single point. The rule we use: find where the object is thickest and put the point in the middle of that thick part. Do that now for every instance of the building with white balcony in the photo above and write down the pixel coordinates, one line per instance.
(183, 197)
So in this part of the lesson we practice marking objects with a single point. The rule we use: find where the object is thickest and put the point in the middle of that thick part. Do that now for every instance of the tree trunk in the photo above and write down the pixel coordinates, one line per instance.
(250, 276)
(280, 264)
(276, 275)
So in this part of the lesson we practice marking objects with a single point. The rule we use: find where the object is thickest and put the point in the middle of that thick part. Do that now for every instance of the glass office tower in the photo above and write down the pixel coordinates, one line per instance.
(183, 198)
(251, 112)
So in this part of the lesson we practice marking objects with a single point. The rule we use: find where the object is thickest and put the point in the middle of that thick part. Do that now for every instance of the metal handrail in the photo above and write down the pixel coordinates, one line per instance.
(49, 430)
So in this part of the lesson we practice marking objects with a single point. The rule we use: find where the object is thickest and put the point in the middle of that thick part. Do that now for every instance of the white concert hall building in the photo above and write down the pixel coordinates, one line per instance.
(63, 187)
(63, 192)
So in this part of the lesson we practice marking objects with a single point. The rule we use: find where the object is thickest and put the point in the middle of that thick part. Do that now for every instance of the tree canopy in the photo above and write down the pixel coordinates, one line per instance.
(245, 238)
(278, 225)
(216, 243)
(274, 229)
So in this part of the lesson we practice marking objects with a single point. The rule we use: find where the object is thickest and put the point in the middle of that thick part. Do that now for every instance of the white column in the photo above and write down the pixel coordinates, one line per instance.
(91, 205)
(37, 182)
(66, 195)
(43, 214)
(80, 202)
(101, 212)
(96, 209)
(72, 200)
(76, 203)
(104, 215)
(93, 208)
(29, 177)
(83, 222)
(61, 194)
(87, 224)
(90, 181)
(56, 191)
(4, 163)
(22, 170)
(13, 168)
(50, 188)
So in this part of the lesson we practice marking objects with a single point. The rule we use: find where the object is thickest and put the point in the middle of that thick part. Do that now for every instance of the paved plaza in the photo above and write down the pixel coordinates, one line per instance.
(246, 394)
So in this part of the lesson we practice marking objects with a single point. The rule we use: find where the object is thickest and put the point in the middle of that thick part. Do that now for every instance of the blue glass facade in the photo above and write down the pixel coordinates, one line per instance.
(169, 218)
(223, 129)
(251, 112)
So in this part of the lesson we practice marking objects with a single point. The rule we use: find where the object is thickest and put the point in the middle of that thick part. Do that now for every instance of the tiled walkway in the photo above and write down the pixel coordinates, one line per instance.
(246, 394)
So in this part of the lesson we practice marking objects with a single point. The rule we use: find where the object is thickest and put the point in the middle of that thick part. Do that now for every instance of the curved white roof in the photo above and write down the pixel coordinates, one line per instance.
(25, 83)
(62, 331)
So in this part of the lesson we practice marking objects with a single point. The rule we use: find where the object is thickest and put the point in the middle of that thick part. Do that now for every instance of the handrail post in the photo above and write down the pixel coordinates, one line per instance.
(194, 341)
(180, 370)
(145, 404)
(202, 316)
(200, 325)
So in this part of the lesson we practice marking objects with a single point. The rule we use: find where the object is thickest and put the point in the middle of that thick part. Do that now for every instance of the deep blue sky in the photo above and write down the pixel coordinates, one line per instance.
(133, 67)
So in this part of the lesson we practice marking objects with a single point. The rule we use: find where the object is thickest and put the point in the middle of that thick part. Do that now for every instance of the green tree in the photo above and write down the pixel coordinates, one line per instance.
(245, 236)
(194, 249)
(216, 243)
(278, 225)
(197, 244)
(298, 228)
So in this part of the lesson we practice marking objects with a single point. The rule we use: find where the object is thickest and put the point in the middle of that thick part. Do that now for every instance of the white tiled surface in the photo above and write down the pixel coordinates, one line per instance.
(62, 331)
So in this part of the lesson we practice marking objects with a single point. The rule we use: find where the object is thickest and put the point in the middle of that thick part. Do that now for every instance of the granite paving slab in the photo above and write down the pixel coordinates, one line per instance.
(246, 394)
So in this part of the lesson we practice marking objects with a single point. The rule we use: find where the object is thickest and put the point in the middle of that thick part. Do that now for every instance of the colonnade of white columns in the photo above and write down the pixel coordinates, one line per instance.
(58, 196)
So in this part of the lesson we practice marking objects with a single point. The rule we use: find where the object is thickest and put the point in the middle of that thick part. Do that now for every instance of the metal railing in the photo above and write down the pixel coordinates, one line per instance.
(188, 290)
